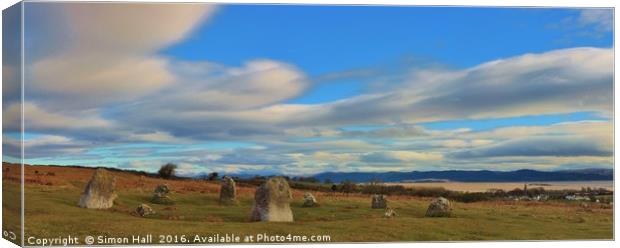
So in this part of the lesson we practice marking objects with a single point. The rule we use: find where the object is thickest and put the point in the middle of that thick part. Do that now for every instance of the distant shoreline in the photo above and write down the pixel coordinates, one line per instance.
(506, 186)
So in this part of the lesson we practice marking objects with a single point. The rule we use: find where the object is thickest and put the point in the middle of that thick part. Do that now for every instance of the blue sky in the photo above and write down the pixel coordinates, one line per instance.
(324, 39)
(304, 89)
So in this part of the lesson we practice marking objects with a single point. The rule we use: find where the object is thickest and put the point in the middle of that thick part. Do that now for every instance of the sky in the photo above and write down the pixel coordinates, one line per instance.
(299, 90)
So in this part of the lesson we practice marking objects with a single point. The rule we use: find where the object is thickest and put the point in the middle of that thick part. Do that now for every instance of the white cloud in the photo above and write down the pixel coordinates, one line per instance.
(455, 143)
(94, 80)
(568, 80)
(566, 146)
(602, 19)
(110, 50)
(132, 28)
(37, 119)
(560, 81)
(326, 156)
(601, 131)
(580, 141)
(11, 85)
(155, 137)
(217, 87)
(401, 156)
(43, 146)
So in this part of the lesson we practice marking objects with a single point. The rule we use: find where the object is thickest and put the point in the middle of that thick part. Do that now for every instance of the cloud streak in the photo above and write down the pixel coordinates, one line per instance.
(539, 146)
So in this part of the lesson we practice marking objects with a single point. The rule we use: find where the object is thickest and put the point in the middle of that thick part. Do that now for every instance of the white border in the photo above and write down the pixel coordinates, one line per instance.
(512, 3)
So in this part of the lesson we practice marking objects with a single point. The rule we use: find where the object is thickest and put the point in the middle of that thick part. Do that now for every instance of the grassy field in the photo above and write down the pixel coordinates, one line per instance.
(52, 211)
(11, 209)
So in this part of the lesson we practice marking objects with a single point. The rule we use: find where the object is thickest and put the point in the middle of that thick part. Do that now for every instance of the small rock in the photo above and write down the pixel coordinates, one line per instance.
(379, 201)
(162, 189)
(309, 200)
(160, 195)
(440, 207)
(144, 210)
(389, 213)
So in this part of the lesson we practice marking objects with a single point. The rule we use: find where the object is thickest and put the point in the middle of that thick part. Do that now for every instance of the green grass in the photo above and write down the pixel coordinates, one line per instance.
(53, 211)
(11, 209)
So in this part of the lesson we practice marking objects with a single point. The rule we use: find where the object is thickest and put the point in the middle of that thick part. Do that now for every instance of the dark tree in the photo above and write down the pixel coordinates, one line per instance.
(334, 188)
(167, 171)
(212, 176)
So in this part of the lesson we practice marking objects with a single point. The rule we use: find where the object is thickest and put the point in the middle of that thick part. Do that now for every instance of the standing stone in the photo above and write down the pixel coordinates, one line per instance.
(389, 213)
(100, 191)
(272, 201)
(160, 195)
(228, 191)
(309, 200)
(144, 210)
(440, 207)
(379, 201)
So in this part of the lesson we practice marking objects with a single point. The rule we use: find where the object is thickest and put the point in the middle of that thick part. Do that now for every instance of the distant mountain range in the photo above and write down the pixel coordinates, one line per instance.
(471, 176)
(524, 175)
(594, 174)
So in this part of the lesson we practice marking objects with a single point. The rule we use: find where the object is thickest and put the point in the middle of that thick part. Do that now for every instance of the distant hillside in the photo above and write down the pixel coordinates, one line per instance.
(596, 171)
(593, 174)
(471, 176)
